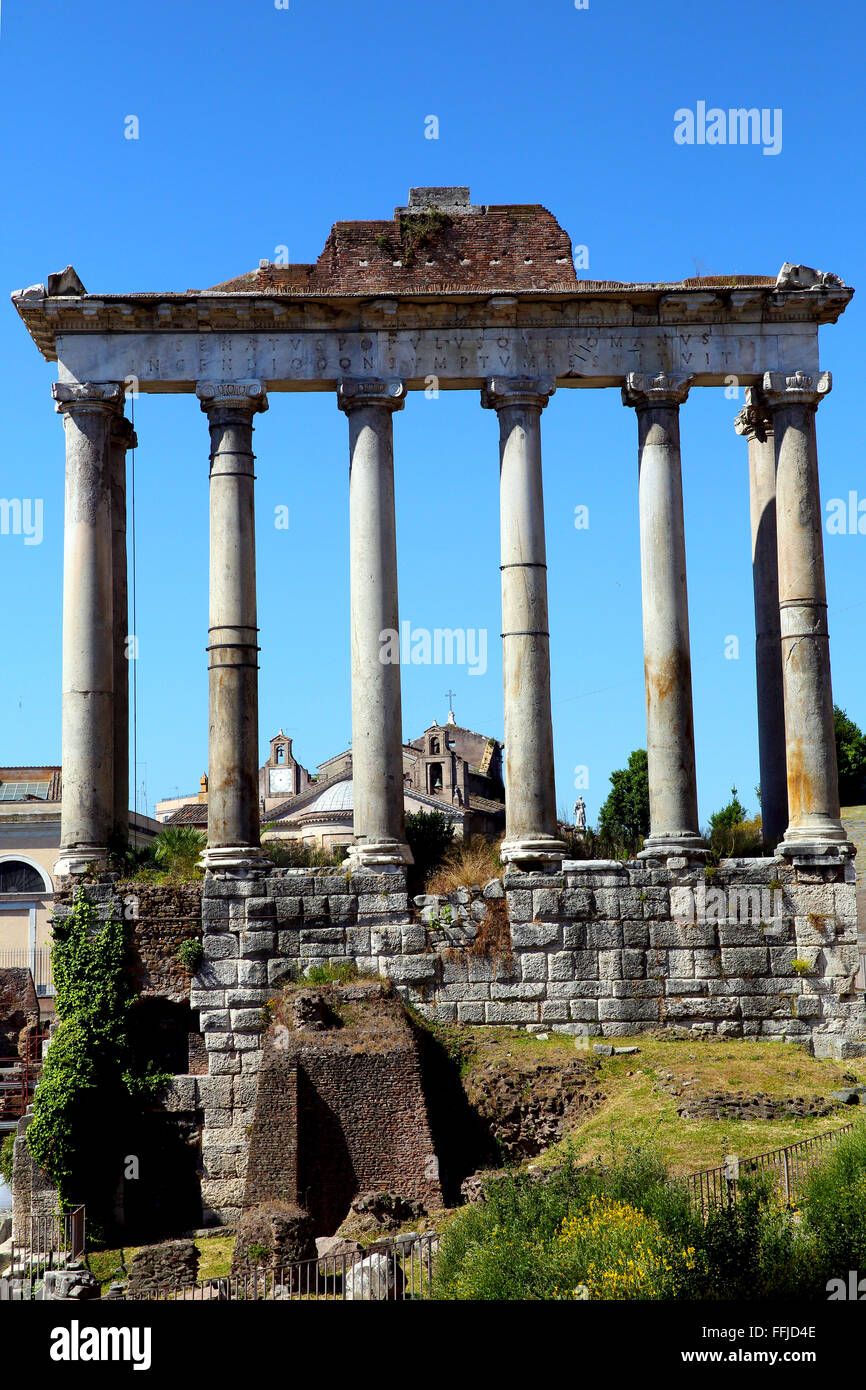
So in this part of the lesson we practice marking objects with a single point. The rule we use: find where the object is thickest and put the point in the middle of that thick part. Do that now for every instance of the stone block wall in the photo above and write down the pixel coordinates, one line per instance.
(755, 948)
(172, 1265)
(600, 949)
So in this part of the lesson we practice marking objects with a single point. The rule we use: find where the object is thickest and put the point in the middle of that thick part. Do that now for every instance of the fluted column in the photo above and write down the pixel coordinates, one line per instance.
(530, 794)
(233, 826)
(667, 652)
(377, 719)
(814, 823)
(87, 810)
(755, 424)
(122, 438)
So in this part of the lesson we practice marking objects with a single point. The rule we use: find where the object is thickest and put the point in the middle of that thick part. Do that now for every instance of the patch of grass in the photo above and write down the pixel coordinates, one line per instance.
(638, 1109)
(215, 1256)
(328, 974)
(469, 864)
(111, 1266)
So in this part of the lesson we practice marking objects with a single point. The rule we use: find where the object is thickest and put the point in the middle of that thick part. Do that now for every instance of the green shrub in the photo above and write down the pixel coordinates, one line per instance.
(733, 834)
(626, 1230)
(834, 1205)
(190, 953)
(579, 1227)
(177, 849)
(751, 1248)
(295, 854)
(90, 1071)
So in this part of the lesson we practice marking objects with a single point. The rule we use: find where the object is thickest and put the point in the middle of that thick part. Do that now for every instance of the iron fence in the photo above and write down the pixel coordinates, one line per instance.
(398, 1270)
(49, 1242)
(788, 1166)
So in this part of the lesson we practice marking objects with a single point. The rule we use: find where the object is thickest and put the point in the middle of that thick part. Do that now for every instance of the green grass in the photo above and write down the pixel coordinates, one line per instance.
(111, 1266)
(637, 1109)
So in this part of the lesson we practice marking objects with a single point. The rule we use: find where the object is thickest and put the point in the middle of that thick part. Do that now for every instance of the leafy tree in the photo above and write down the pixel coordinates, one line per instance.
(732, 814)
(430, 835)
(624, 819)
(733, 833)
(851, 757)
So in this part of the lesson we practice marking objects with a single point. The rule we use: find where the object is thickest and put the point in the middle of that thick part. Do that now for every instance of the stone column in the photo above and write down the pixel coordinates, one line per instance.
(122, 438)
(377, 718)
(530, 793)
(814, 824)
(233, 825)
(87, 810)
(667, 652)
(756, 425)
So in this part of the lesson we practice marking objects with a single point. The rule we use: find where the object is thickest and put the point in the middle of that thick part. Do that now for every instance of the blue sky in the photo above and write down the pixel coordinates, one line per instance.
(259, 128)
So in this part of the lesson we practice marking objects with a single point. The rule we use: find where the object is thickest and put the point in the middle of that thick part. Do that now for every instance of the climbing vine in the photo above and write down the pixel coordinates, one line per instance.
(91, 1080)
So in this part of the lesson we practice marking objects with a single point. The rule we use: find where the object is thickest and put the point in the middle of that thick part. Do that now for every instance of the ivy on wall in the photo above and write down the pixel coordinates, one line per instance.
(92, 1085)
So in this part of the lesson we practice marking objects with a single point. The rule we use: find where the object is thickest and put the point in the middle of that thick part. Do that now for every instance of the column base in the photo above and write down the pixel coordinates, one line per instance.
(236, 858)
(687, 846)
(81, 860)
(532, 850)
(825, 843)
(383, 855)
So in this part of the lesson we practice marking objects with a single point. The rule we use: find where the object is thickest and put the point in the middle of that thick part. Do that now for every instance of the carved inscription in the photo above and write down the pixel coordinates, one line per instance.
(297, 360)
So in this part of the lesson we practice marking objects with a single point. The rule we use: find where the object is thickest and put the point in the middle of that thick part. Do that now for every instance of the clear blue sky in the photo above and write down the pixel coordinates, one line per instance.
(261, 127)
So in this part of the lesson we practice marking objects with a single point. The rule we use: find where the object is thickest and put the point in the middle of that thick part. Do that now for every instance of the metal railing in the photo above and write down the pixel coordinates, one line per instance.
(50, 1242)
(38, 962)
(18, 1078)
(397, 1270)
(789, 1166)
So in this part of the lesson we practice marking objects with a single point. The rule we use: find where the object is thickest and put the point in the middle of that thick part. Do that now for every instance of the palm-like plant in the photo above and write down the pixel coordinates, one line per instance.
(178, 849)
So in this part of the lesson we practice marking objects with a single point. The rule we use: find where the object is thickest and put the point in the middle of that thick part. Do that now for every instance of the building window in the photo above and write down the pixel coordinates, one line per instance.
(434, 745)
(435, 777)
(18, 877)
(281, 754)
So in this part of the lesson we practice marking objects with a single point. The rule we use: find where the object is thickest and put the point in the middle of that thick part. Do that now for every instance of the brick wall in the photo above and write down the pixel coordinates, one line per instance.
(509, 247)
(341, 1111)
(19, 1009)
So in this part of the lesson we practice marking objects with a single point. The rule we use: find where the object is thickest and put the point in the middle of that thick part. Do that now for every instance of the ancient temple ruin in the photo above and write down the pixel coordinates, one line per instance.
(477, 298)
(471, 297)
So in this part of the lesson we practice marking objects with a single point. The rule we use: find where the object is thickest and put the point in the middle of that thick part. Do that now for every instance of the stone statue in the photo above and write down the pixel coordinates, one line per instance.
(580, 814)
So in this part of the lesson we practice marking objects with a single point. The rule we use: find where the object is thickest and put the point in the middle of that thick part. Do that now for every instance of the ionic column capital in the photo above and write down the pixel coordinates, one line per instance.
(779, 389)
(105, 396)
(643, 391)
(754, 421)
(354, 394)
(245, 397)
(499, 392)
